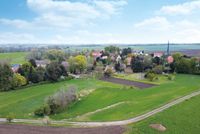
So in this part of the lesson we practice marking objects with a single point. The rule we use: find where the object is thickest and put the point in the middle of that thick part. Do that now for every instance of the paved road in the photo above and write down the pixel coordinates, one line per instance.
(140, 85)
(113, 123)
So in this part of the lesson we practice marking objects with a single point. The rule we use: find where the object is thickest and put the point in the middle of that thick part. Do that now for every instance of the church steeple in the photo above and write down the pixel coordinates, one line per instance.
(168, 49)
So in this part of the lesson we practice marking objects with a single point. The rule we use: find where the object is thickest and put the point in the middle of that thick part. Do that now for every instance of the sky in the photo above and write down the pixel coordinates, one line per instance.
(99, 21)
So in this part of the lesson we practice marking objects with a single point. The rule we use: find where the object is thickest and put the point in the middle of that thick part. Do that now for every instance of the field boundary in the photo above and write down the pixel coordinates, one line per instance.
(111, 123)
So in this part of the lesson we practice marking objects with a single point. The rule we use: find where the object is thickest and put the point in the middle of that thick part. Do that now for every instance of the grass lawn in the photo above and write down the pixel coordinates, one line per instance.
(14, 58)
(135, 101)
(180, 119)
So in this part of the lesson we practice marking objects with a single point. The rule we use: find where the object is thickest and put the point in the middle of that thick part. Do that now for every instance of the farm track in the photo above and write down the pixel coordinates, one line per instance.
(100, 110)
(113, 123)
(140, 85)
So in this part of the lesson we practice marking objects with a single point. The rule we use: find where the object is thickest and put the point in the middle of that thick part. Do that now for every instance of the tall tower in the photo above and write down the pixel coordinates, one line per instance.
(168, 49)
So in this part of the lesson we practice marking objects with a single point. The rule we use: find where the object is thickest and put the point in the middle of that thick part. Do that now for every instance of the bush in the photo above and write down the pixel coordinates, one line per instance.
(46, 120)
(61, 99)
(10, 117)
(108, 72)
(69, 77)
(170, 77)
(43, 110)
(158, 69)
(151, 75)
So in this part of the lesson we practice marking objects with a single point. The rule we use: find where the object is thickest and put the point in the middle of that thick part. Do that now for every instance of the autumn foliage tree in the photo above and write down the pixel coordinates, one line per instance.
(81, 62)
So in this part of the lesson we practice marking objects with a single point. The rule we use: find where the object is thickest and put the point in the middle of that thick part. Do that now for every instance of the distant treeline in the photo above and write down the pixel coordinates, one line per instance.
(28, 47)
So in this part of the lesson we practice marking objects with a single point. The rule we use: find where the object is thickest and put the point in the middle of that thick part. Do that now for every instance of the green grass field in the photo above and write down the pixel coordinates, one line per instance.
(138, 101)
(14, 58)
(23, 102)
(180, 119)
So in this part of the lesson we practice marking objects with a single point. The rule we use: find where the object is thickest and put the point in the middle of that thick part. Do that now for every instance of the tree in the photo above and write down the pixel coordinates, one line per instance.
(183, 66)
(112, 49)
(157, 60)
(119, 67)
(36, 55)
(25, 70)
(55, 55)
(148, 62)
(18, 80)
(126, 51)
(37, 75)
(54, 71)
(177, 56)
(33, 63)
(6, 76)
(72, 65)
(137, 64)
(81, 62)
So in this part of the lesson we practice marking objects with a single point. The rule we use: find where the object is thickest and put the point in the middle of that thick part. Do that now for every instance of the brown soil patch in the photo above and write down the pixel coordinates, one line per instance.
(140, 85)
(27, 129)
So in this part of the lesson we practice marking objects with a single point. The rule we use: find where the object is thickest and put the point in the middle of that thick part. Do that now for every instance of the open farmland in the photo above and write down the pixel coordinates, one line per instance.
(14, 58)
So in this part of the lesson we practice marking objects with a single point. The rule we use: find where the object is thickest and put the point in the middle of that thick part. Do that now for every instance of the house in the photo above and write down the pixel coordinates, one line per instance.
(104, 57)
(118, 59)
(158, 54)
(96, 54)
(170, 59)
(65, 64)
(42, 63)
(15, 67)
(128, 61)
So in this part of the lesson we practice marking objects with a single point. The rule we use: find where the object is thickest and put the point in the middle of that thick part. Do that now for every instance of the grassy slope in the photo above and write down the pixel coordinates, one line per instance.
(14, 58)
(140, 101)
(23, 102)
(180, 119)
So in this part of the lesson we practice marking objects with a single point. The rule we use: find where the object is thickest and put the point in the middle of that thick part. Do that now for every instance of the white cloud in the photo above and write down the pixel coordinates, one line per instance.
(156, 23)
(65, 14)
(111, 7)
(10, 37)
(16, 23)
(183, 9)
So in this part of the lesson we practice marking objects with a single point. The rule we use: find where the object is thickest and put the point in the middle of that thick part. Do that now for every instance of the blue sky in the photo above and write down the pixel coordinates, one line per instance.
(99, 21)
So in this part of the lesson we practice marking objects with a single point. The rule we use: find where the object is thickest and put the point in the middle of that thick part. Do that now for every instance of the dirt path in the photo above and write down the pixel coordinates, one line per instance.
(100, 110)
(140, 85)
(26, 129)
